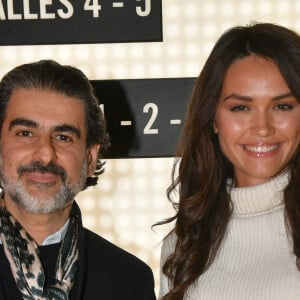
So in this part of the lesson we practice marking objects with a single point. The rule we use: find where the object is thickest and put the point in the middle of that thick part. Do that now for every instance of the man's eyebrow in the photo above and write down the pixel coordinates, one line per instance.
(68, 128)
(33, 124)
(22, 122)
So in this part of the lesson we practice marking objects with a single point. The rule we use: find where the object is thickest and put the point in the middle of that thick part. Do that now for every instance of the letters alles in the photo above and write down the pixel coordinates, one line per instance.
(65, 11)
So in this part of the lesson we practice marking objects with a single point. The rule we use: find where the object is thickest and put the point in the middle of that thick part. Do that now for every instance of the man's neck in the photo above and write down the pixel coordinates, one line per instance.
(38, 226)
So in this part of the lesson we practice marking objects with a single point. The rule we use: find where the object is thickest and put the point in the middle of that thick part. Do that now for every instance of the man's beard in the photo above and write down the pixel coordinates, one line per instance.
(45, 202)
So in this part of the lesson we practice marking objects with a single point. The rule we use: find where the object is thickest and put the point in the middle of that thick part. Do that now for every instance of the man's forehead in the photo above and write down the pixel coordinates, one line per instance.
(44, 106)
(43, 98)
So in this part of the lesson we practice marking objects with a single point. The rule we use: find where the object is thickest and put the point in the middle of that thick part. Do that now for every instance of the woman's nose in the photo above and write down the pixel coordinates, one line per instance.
(262, 124)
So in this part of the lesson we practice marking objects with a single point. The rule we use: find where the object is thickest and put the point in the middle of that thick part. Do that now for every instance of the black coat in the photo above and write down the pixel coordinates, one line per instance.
(105, 272)
(110, 273)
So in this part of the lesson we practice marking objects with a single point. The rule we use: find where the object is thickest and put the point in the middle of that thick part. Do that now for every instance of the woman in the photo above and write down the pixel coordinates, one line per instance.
(237, 222)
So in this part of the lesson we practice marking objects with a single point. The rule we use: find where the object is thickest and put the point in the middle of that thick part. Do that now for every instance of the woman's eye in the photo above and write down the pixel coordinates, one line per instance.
(239, 108)
(283, 106)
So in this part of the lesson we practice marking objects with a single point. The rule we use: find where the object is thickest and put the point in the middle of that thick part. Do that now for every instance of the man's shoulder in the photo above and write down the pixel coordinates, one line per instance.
(110, 272)
(98, 248)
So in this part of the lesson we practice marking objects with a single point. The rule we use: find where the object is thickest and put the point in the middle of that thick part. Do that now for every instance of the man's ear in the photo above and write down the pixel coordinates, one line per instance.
(92, 158)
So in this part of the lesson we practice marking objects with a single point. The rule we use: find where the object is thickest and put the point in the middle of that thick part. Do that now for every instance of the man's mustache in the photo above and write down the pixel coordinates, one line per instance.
(38, 167)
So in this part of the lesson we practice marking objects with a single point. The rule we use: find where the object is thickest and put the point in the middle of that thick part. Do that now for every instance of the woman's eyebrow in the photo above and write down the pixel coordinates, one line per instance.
(238, 97)
(248, 98)
(283, 96)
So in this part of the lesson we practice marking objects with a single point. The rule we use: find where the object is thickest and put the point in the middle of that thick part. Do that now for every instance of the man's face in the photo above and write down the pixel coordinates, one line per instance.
(44, 159)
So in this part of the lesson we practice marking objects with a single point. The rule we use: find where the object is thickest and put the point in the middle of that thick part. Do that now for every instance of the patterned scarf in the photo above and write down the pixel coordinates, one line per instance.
(23, 255)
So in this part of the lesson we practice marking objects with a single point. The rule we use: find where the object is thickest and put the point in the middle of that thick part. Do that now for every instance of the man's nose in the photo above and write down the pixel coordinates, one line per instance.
(44, 151)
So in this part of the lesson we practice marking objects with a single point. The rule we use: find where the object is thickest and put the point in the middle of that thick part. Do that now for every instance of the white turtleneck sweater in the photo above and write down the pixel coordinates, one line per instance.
(255, 261)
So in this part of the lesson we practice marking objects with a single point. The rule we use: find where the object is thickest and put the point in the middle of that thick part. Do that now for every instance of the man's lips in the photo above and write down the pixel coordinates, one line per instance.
(41, 177)
(42, 173)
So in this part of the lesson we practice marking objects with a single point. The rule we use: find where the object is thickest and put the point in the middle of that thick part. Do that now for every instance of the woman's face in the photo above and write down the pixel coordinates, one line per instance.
(257, 120)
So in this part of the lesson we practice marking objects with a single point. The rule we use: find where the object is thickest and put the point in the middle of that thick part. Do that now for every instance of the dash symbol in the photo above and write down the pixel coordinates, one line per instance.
(118, 4)
(126, 123)
(175, 122)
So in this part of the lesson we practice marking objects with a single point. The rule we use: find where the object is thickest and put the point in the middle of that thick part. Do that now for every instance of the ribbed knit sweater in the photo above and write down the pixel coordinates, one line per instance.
(255, 261)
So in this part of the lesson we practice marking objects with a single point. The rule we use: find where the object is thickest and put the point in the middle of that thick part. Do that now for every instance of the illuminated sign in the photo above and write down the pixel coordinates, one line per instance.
(144, 116)
(34, 22)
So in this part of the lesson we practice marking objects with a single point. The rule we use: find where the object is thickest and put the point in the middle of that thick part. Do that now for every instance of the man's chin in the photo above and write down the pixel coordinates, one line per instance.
(44, 190)
(39, 200)
(43, 186)
(42, 205)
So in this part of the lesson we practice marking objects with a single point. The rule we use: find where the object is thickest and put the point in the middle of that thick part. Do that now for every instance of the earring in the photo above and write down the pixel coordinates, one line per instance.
(215, 128)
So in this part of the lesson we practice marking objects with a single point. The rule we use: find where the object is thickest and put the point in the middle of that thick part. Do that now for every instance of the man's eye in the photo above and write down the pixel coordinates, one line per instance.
(283, 106)
(63, 138)
(24, 133)
(239, 108)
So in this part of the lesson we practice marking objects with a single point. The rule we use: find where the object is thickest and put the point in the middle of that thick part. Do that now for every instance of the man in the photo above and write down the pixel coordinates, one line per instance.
(51, 135)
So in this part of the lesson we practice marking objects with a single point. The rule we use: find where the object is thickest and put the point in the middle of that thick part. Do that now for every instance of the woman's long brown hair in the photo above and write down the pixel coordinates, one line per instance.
(204, 206)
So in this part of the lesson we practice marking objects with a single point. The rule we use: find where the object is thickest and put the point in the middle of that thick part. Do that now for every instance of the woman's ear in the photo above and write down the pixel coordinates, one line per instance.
(92, 158)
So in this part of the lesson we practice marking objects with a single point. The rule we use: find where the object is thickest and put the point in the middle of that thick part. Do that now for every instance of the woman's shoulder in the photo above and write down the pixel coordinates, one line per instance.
(169, 243)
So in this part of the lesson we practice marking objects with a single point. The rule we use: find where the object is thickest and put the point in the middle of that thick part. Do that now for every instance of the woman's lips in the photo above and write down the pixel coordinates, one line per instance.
(261, 150)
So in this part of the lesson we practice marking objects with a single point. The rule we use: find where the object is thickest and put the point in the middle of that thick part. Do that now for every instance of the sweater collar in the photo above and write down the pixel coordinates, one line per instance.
(259, 198)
